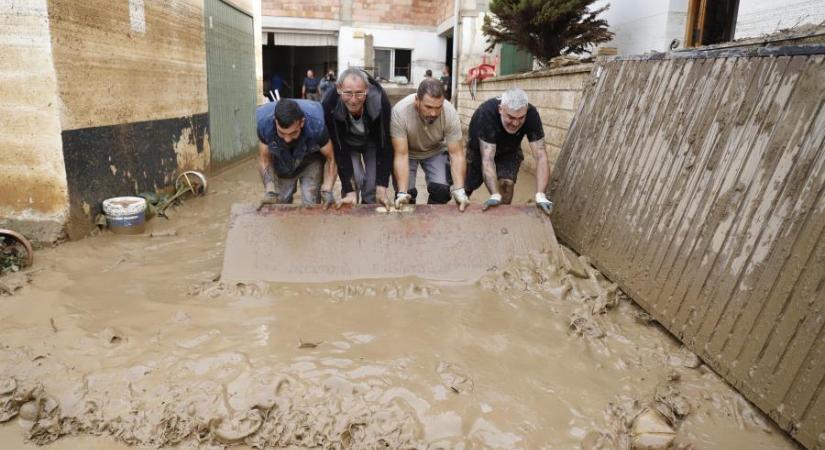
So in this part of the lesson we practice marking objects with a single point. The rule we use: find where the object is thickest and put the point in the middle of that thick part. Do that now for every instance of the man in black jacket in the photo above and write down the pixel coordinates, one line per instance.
(357, 115)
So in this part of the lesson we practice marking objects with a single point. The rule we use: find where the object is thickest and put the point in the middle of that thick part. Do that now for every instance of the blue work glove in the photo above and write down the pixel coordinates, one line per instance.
(494, 200)
(544, 203)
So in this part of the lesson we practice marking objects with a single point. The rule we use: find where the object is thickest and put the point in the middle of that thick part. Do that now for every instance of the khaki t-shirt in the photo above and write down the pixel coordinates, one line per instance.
(424, 140)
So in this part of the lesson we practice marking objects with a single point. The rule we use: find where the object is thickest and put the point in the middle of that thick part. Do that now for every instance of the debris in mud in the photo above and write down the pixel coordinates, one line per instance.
(584, 324)
(454, 377)
(215, 289)
(651, 431)
(637, 425)
(643, 318)
(12, 282)
(684, 358)
(111, 336)
(307, 344)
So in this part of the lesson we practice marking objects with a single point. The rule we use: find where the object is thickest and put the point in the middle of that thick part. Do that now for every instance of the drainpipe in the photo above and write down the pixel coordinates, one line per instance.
(456, 44)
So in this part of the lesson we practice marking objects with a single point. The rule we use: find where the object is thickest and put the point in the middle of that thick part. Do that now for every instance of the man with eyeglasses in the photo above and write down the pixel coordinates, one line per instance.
(425, 130)
(294, 145)
(494, 149)
(357, 115)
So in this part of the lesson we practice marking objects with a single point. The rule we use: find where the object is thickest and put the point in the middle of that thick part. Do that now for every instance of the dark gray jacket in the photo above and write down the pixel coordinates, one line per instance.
(377, 112)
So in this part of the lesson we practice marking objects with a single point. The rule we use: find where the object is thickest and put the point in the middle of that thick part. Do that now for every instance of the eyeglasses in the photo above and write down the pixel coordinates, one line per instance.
(351, 94)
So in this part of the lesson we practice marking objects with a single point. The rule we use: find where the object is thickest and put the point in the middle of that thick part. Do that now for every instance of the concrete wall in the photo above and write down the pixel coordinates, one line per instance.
(428, 49)
(132, 83)
(33, 191)
(98, 99)
(760, 17)
(695, 181)
(644, 25)
(556, 94)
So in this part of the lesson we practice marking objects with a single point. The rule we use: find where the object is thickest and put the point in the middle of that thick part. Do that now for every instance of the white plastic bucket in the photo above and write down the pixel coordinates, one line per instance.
(125, 215)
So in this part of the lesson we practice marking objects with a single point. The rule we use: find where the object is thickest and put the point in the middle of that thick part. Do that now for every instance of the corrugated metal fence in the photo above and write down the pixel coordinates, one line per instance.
(697, 182)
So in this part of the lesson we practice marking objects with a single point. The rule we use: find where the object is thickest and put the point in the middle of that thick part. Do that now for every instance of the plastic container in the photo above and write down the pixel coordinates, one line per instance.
(125, 215)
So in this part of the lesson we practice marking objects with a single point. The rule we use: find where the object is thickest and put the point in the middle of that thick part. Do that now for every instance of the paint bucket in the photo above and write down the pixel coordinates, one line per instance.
(125, 215)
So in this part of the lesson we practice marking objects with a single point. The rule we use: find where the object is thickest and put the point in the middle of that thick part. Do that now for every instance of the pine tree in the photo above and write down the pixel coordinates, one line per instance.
(545, 28)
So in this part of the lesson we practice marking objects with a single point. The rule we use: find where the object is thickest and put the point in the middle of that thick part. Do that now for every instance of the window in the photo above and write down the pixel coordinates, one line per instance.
(391, 63)
(710, 22)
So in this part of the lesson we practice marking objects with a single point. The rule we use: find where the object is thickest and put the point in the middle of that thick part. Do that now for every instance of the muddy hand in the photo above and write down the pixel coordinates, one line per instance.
(350, 199)
(270, 198)
(401, 199)
(544, 203)
(461, 199)
(494, 200)
(381, 197)
(327, 199)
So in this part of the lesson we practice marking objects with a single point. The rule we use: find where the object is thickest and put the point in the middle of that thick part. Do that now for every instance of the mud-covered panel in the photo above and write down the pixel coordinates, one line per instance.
(696, 181)
(103, 162)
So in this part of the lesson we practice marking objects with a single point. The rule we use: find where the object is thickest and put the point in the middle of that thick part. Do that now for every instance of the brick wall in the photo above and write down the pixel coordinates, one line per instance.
(556, 94)
(408, 12)
(445, 10)
(309, 9)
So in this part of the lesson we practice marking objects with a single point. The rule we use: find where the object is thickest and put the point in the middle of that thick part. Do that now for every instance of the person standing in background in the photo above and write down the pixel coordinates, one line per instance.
(447, 82)
(309, 88)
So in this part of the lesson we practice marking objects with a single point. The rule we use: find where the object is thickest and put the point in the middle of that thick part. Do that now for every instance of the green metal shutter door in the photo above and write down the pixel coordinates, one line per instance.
(514, 60)
(230, 70)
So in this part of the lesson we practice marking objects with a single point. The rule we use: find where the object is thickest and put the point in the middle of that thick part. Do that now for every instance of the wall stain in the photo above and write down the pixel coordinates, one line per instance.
(143, 153)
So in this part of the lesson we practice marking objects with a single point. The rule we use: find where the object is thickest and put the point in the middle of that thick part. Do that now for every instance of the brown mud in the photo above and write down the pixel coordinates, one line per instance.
(134, 340)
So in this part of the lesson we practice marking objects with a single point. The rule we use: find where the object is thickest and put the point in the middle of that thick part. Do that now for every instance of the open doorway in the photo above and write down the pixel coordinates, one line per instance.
(290, 63)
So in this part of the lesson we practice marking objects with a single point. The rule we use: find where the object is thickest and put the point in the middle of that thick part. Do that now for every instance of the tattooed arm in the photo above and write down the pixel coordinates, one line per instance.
(542, 165)
(488, 165)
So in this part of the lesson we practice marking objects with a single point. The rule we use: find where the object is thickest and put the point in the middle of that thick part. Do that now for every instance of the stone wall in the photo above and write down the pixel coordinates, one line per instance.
(33, 191)
(556, 93)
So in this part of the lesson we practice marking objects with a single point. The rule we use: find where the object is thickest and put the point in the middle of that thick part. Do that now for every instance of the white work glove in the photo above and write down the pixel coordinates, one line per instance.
(544, 203)
(494, 200)
(401, 199)
(269, 198)
(460, 197)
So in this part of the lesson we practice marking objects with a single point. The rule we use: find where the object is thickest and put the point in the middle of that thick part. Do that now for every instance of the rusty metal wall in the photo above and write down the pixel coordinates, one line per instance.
(697, 182)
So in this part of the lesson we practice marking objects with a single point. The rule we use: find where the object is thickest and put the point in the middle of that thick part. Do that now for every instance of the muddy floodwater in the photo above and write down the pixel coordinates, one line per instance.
(116, 341)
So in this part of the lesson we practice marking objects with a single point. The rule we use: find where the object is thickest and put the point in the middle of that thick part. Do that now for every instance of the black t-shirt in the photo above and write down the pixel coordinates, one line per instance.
(486, 125)
(311, 84)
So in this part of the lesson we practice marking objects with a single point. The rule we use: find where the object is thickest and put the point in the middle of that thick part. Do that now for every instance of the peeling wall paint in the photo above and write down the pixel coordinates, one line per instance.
(33, 191)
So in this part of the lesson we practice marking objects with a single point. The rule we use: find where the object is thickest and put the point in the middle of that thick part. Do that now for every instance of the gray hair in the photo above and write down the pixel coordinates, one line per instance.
(514, 99)
(352, 72)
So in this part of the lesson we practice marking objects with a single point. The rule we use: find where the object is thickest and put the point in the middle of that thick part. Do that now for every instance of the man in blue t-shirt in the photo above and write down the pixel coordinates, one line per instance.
(309, 90)
(294, 144)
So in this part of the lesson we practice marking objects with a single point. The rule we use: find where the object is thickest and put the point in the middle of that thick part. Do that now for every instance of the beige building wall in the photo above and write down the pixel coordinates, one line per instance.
(33, 192)
(556, 94)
